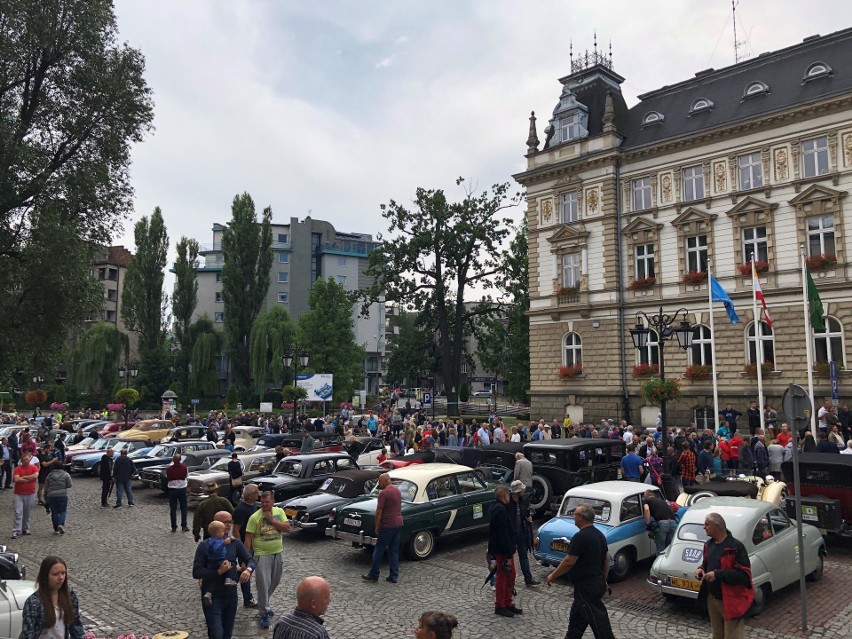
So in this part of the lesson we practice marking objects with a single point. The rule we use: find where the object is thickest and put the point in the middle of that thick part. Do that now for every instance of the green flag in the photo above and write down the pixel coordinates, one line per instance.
(817, 310)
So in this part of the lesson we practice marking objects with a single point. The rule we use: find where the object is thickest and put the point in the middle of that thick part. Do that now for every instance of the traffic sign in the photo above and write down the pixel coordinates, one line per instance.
(796, 403)
(427, 398)
(195, 401)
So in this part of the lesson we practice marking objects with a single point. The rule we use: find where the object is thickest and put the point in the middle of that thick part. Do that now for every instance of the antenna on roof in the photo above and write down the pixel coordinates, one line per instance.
(595, 32)
(571, 51)
(738, 44)
(610, 53)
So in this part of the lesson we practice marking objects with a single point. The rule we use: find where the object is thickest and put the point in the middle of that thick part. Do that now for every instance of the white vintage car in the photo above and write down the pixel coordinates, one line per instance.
(13, 594)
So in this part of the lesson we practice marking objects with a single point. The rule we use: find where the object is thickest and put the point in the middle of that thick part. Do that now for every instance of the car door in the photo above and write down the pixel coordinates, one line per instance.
(444, 500)
(477, 498)
(788, 552)
(767, 557)
(632, 529)
(321, 471)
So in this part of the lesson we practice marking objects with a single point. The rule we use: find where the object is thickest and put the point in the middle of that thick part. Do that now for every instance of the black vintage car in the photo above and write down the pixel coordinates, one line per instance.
(155, 476)
(293, 441)
(826, 487)
(297, 475)
(311, 512)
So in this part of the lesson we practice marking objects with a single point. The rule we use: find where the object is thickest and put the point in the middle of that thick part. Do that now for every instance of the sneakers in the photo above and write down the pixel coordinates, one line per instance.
(61, 530)
(55, 532)
(370, 578)
(131, 505)
(251, 603)
(504, 612)
(516, 610)
(493, 587)
(207, 599)
(174, 529)
(104, 505)
(27, 532)
(15, 535)
(116, 507)
(264, 621)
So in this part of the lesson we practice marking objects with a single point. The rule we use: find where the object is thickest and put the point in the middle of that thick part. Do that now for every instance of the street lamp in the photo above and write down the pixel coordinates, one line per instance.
(302, 359)
(664, 326)
(126, 374)
(38, 379)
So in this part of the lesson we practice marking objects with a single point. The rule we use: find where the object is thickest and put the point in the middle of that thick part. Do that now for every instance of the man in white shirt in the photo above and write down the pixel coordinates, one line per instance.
(499, 434)
(848, 449)
(484, 436)
(628, 436)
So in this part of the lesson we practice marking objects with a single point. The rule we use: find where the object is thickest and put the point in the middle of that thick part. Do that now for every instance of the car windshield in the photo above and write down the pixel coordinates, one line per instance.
(407, 489)
(139, 452)
(86, 441)
(101, 444)
(222, 464)
(692, 532)
(335, 485)
(288, 467)
(160, 451)
(602, 509)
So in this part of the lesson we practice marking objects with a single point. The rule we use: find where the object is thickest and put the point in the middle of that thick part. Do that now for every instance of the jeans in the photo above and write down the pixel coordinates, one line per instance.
(524, 560)
(6, 474)
(664, 535)
(388, 540)
(58, 510)
(177, 496)
(221, 614)
(123, 486)
(246, 588)
(23, 506)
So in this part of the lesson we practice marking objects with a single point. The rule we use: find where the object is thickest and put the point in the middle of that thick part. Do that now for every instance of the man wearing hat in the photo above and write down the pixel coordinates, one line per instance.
(546, 434)
(521, 521)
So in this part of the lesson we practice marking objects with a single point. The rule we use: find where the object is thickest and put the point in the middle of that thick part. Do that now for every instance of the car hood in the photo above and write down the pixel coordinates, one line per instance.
(207, 475)
(96, 454)
(361, 506)
(318, 499)
(278, 480)
(20, 589)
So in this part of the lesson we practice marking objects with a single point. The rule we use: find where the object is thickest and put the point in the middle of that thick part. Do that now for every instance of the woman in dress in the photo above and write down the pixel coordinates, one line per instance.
(52, 611)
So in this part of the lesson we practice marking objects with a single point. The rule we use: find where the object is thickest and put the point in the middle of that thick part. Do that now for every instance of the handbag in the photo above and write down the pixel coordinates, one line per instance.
(236, 481)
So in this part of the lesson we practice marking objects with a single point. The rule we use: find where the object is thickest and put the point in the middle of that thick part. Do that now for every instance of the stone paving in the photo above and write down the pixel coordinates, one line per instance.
(132, 574)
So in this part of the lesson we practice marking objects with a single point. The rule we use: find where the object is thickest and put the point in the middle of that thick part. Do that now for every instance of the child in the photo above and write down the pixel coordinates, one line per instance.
(217, 551)
(491, 561)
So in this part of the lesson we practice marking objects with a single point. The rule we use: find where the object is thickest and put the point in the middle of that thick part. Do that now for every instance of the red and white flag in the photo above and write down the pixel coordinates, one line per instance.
(758, 294)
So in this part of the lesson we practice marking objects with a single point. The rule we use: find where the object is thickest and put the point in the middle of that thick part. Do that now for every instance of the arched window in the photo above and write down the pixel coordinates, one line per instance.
(653, 117)
(828, 344)
(817, 70)
(766, 338)
(701, 351)
(755, 88)
(701, 104)
(651, 353)
(572, 350)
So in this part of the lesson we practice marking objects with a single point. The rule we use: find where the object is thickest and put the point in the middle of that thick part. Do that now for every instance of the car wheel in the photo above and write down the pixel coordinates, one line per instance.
(816, 575)
(760, 596)
(623, 564)
(96, 469)
(421, 545)
(695, 498)
(542, 493)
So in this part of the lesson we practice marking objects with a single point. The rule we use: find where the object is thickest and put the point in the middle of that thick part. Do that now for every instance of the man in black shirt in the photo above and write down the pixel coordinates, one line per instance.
(753, 413)
(730, 416)
(659, 515)
(587, 567)
(502, 546)
(105, 473)
(245, 509)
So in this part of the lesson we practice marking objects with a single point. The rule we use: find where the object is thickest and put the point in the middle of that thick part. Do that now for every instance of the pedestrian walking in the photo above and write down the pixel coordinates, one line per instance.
(222, 609)
(52, 610)
(725, 576)
(242, 513)
(263, 538)
(313, 594)
(205, 512)
(47, 462)
(519, 516)
(24, 477)
(388, 528)
(435, 625)
(502, 546)
(123, 470)
(176, 476)
(5, 464)
(105, 473)
(586, 567)
(235, 477)
(56, 493)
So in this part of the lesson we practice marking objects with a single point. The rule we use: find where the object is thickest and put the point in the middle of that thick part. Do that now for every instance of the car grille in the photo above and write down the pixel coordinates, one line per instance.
(79, 464)
(149, 475)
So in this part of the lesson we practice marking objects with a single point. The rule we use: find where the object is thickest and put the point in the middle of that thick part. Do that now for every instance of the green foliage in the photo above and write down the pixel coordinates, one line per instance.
(413, 350)
(327, 331)
(155, 374)
(60, 395)
(184, 301)
(72, 101)
(271, 336)
(464, 392)
(95, 361)
(436, 252)
(247, 253)
(143, 303)
(291, 394)
(206, 346)
(233, 396)
(657, 390)
(126, 396)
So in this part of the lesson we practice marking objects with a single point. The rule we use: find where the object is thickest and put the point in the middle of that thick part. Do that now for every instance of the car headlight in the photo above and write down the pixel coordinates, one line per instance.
(653, 579)
(332, 514)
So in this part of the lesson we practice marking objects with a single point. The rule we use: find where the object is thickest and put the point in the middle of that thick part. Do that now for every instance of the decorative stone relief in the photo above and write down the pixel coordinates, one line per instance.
(764, 162)
(592, 201)
(832, 151)
(720, 181)
(732, 169)
(782, 170)
(847, 149)
(666, 188)
(794, 156)
(546, 211)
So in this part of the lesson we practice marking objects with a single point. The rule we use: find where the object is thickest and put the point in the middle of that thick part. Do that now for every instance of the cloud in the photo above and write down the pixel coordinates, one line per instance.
(401, 40)
(384, 63)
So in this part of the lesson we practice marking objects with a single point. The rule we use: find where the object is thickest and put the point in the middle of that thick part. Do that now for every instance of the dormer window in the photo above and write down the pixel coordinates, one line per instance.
(570, 127)
(754, 89)
(701, 105)
(653, 117)
(817, 70)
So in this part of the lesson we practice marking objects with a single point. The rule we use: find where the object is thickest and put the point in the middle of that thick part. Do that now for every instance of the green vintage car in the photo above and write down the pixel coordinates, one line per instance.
(438, 500)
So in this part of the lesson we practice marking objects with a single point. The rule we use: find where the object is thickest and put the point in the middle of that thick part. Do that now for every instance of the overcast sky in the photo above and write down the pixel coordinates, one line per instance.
(337, 107)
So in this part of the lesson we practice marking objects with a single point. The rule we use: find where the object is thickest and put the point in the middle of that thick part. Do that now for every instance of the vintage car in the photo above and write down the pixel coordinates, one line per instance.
(365, 450)
(292, 442)
(91, 462)
(155, 476)
(13, 595)
(770, 538)
(438, 500)
(826, 487)
(162, 453)
(95, 445)
(185, 432)
(11, 566)
(445, 454)
(152, 430)
(752, 487)
(311, 511)
(112, 429)
(215, 480)
(246, 437)
(302, 474)
(618, 507)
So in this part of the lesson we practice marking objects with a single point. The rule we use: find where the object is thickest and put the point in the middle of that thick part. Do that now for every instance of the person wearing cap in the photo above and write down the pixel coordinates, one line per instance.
(521, 521)
(546, 434)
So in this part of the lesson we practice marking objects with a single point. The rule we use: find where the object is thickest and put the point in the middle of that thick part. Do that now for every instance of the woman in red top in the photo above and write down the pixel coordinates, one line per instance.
(24, 477)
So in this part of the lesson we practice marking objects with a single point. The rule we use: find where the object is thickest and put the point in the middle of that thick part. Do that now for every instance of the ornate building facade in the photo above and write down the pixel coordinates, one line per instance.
(629, 209)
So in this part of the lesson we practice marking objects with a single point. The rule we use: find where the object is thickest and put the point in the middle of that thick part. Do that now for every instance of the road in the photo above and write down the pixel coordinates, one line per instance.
(133, 575)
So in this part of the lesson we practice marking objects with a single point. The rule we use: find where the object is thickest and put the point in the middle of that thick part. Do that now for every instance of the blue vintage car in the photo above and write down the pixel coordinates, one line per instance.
(91, 462)
(618, 507)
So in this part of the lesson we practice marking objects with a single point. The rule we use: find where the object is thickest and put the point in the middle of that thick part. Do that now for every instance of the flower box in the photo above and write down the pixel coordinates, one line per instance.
(821, 262)
(645, 370)
(656, 391)
(694, 277)
(765, 369)
(57, 406)
(567, 372)
(115, 406)
(642, 283)
(287, 406)
(698, 372)
(760, 267)
(822, 369)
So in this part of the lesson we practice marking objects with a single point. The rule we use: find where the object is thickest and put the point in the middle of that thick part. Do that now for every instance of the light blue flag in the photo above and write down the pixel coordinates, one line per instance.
(718, 294)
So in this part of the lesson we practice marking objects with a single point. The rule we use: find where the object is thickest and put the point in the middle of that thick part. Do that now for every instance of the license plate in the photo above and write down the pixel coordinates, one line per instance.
(559, 546)
(352, 522)
(686, 584)
(291, 512)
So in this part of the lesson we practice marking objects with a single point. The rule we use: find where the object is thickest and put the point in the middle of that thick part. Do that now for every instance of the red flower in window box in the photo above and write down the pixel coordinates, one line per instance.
(765, 369)
(698, 372)
(642, 283)
(760, 267)
(567, 372)
(821, 262)
(694, 277)
(645, 370)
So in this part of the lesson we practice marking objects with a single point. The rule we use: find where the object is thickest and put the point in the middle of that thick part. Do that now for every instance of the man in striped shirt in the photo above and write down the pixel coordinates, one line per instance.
(313, 595)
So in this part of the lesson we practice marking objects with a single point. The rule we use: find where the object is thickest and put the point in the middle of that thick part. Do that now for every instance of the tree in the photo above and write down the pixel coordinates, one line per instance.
(233, 396)
(247, 253)
(72, 102)
(96, 358)
(435, 253)
(206, 346)
(126, 396)
(412, 352)
(271, 336)
(504, 338)
(184, 301)
(327, 330)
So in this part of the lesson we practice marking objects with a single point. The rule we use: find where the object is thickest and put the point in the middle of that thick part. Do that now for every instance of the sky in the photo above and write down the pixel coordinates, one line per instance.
(331, 108)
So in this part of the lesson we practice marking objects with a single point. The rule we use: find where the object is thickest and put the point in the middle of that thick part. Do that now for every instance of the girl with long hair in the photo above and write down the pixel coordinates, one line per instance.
(52, 611)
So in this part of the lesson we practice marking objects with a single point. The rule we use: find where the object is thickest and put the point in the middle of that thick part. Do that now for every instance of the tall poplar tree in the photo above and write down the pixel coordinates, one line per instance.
(184, 301)
(272, 335)
(247, 252)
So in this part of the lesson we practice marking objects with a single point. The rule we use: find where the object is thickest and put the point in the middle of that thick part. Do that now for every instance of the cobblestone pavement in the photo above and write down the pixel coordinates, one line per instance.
(132, 574)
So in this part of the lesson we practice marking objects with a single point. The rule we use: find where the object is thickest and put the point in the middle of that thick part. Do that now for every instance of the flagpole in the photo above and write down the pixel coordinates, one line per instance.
(758, 336)
(808, 344)
(713, 354)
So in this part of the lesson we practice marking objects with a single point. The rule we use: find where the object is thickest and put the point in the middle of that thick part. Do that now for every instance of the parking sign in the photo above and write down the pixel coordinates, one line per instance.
(427, 398)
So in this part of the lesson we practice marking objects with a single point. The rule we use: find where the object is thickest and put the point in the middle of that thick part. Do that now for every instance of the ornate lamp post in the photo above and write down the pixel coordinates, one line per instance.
(664, 326)
(126, 374)
(302, 359)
